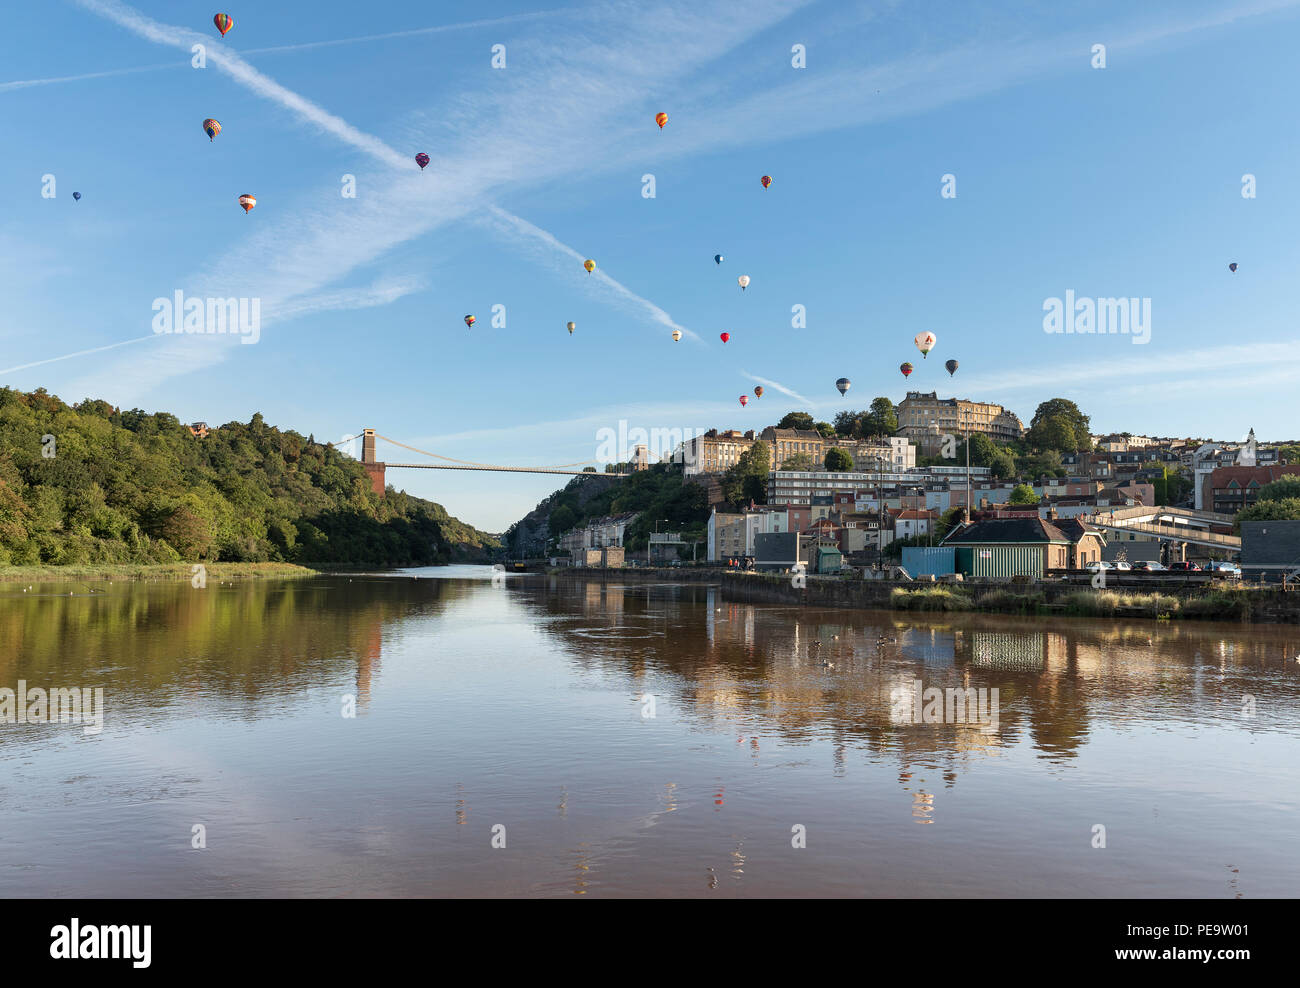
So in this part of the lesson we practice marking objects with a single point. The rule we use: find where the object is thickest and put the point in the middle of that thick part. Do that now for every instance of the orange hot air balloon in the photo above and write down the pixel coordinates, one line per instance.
(724, 337)
(248, 202)
(758, 391)
(590, 265)
(766, 180)
(469, 320)
(661, 119)
(744, 400)
(224, 23)
(212, 128)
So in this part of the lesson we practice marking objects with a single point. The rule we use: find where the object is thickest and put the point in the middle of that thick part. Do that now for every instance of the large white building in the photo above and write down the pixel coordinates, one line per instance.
(799, 486)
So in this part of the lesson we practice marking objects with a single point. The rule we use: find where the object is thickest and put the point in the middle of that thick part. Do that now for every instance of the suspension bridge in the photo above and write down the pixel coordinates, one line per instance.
(377, 469)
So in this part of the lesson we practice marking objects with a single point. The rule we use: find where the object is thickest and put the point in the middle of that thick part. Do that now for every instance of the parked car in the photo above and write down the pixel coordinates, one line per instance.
(1184, 568)
(1230, 570)
(1122, 566)
(1102, 565)
(1148, 566)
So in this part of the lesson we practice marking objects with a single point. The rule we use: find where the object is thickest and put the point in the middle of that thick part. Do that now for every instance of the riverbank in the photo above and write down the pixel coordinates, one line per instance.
(151, 571)
(1216, 602)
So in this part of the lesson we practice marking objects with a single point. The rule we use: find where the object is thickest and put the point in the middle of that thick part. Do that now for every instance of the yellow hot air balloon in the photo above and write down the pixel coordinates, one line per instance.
(677, 335)
(661, 119)
(590, 265)
(572, 327)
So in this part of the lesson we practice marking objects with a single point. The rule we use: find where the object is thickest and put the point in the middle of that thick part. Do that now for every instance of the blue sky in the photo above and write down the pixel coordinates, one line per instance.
(1122, 181)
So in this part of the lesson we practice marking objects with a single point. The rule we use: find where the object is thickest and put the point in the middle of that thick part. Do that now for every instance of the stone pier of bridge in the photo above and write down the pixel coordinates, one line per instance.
(374, 469)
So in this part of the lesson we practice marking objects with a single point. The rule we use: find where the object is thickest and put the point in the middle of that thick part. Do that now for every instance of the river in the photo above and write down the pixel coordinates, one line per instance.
(537, 736)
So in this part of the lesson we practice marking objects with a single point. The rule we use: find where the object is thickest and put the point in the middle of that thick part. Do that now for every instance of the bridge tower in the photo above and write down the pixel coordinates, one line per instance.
(374, 469)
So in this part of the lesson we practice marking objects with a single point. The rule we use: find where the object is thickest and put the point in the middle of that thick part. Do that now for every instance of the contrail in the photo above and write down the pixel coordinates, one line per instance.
(779, 387)
(79, 353)
(279, 49)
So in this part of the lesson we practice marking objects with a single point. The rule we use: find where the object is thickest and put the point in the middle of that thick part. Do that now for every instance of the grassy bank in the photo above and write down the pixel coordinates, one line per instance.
(1217, 604)
(149, 571)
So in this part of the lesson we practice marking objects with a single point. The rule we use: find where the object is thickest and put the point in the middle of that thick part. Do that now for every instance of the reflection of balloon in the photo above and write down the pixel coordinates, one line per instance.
(421, 159)
(224, 23)
(843, 384)
(717, 258)
(211, 127)
(469, 320)
(744, 400)
(677, 335)
(925, 342)
(743, 282)
(758, 391)
(724, 337)
(951, 365)
(77, 196)
(766, 180)
(247, 201)
(905, 368)
(1232, 266)
(572, 327)
(661, 119)
(590, 265)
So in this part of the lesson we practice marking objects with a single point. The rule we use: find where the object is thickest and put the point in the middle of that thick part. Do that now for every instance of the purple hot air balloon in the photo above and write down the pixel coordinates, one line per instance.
(421, 159)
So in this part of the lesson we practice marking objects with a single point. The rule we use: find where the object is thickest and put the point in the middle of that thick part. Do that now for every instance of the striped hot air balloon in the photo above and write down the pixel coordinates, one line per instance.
(661, 119)
(421, 159)
(744, 400)
(766, 180)
(843, 385)
(212, 128)
(248, 202)
(469, 320)
(224, 23)
(905, 368)
(677, 335)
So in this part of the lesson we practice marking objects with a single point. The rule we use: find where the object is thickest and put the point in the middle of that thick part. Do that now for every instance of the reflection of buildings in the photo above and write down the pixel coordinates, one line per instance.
(368, 656)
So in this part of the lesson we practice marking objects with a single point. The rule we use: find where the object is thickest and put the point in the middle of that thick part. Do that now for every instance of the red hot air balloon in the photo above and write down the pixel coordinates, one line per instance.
(224, 23)
(744, 400)
(766, 180)
(724, 337)
(661, 119)
(421, 159)
(906, 369)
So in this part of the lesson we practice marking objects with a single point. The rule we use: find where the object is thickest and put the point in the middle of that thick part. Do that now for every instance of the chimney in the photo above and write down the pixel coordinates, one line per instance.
(1051, 512)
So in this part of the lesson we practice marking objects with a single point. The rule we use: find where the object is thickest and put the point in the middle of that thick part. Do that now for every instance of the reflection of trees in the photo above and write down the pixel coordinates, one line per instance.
(242, 646)
(759, 666)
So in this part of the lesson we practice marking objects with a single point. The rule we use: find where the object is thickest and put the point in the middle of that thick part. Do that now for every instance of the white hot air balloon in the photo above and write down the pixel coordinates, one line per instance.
(925, 342)
(677, 335)
(743, 282)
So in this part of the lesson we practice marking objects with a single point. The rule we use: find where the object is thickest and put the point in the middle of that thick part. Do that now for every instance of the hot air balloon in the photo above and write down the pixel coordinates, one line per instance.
(248, 202)
(77, 196)
(905, 368)
(724, 337)
(1233, 266)
(212, 128)
(421, 159)
(766, 180)
(743, 282)
(224, 23)
(590, 265)
(572, 326)
(744, 400)
(843, 384)
(718, 258)
(925, 342)
(758, 391)
(951, 365)
(677, 335)
(661, 119)
(469, 320)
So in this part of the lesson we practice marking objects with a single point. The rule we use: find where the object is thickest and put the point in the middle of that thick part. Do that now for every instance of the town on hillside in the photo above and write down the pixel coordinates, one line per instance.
(940, 486)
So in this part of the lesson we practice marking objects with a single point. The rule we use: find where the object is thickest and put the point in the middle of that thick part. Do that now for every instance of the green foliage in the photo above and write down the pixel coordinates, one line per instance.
(746, 480)
(796, 420)
(133, 487)
(1058, 424)
(798, 461)
(1022, 494)
(1282, 489)
(838, 461)
(826, 429)
(880, 420)
(1287, 509)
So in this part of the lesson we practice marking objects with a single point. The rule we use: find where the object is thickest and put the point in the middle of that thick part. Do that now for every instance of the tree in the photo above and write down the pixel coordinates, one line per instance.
(826, 429)
(880, 420)
(1045, 464)
(1282, 489)
(838, 461)
(1073, 428)
(798, 461)
(562, 519)
(1002, 465)
(796, 420)
(1022, 494)
(746, 480)
(1289, 454)
(846, 423)
(1287, 509)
